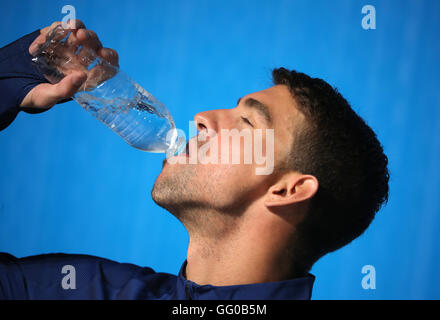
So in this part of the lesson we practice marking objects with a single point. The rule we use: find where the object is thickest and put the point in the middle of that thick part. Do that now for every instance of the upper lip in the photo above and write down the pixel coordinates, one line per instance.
(184, 151)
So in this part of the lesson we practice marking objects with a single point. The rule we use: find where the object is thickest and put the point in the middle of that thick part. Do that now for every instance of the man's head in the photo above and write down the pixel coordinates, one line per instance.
(343, 153)
(330, 174)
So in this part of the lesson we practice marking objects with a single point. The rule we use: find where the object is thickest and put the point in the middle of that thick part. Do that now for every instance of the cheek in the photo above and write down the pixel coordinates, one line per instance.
(229, 181)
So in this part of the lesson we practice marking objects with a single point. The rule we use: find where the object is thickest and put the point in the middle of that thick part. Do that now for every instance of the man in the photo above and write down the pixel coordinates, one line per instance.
(251, 236)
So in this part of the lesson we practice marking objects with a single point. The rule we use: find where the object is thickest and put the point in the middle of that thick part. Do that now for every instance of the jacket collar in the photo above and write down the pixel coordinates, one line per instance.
(294, 289)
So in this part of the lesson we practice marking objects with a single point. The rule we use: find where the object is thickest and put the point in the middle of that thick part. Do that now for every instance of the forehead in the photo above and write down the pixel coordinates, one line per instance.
(286, 117)
(282, 106)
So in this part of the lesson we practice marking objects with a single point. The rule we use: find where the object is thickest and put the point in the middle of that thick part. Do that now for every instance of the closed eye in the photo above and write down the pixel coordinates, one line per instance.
(247, 121)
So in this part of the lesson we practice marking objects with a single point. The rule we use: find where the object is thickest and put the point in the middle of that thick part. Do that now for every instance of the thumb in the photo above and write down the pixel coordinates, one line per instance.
(66, 88)
(45, 95)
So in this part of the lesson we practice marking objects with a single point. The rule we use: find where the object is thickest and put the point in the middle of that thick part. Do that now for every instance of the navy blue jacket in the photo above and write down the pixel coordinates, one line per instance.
(69, 276)
(41, 277)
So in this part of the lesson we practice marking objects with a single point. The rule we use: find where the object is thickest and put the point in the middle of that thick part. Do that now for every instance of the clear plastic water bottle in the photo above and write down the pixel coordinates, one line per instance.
(110, 95)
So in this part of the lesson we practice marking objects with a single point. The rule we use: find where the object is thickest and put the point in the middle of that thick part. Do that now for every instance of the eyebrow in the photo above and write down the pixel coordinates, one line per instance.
(259, 106)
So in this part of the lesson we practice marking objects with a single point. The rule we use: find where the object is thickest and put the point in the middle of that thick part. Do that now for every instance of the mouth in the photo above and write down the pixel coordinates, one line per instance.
(183, 153)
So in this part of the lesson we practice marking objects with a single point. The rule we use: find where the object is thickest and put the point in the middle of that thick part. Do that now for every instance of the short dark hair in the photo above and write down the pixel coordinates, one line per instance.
(337, 147)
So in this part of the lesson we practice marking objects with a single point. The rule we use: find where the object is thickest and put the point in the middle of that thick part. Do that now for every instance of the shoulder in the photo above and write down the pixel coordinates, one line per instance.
(42, 276)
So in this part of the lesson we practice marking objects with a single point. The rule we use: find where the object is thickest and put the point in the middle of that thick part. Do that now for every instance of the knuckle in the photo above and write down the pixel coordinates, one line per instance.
(76, 24)
(79, 23)
(92, 34)
(111, 54)
(93, 38)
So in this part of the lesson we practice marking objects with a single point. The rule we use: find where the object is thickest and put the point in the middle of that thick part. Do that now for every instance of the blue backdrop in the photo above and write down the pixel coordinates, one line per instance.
(69, 184)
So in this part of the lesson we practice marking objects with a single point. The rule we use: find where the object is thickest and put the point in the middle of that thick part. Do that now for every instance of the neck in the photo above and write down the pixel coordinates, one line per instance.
(252, 250)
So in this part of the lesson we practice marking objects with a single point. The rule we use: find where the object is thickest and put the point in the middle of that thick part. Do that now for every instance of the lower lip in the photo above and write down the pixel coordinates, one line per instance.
(182, 155)
(185, 155)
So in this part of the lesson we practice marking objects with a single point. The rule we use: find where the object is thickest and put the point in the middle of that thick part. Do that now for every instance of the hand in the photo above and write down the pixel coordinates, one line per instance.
(78, 77)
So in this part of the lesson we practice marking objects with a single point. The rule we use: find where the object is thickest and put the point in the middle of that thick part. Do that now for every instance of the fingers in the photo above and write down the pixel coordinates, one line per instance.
(98, 75)
(38, 42)
(78, 53)
(109, 55)
(64, 28)
(57, 31)
(70, 25)
(89, 39)
(74, 24)
(46, 30)
(90, 45)
(79, 36)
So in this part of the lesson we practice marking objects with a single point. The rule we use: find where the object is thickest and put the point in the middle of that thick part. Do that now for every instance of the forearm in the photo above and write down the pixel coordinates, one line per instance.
(17, 77)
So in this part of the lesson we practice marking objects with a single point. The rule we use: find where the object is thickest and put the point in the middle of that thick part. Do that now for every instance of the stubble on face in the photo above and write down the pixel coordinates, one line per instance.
(213, 197)
(192, 199)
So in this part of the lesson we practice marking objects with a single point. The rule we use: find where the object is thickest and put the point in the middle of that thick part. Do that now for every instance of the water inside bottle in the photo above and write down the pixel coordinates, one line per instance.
(110, 95)
(133, 113)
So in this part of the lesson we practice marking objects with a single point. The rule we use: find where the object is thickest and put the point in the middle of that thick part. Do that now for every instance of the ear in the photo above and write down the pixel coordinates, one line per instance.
(292, 188)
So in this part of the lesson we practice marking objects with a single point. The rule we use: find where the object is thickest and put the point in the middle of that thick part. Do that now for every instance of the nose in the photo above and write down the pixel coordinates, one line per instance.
(205, 121)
